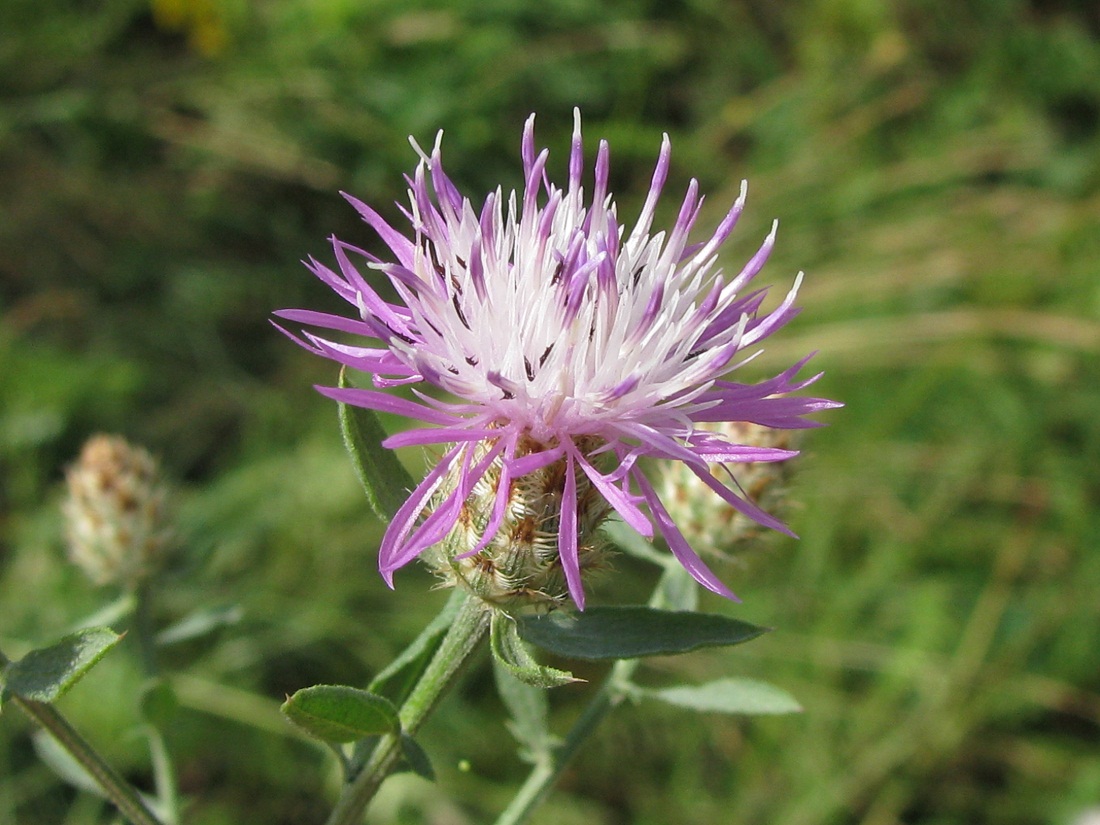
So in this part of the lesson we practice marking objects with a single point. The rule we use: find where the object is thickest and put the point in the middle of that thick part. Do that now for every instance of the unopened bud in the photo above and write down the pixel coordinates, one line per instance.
(115, 512)
(709, 524)
(520, 565)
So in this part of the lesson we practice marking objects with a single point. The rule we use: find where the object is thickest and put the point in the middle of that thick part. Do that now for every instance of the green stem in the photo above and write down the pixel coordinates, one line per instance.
(164, 772)
(144, 629)
(615, 688)
(546, 772)
(117, 789)
(461, 641)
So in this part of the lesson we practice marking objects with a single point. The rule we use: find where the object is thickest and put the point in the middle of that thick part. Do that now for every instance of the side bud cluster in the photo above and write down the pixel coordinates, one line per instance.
(519, 565)
(115, 512)
(709, 524)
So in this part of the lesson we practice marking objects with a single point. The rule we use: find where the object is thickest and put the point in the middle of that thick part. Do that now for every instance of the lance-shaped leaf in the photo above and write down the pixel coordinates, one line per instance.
(385, 480)
(740, 696)
(631, 632)
(630, 541)
(199, 623)
(508, 649)
(61, 762)
(338, 713)
(414, 758)
(45, 675)
(529, 709)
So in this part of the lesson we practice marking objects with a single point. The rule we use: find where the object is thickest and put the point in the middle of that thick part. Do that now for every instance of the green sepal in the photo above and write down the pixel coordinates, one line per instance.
(632, 632)
(738, 696)
(46, 674)
(398, 678)
(384, 478)
(509, 650)
(339, 713)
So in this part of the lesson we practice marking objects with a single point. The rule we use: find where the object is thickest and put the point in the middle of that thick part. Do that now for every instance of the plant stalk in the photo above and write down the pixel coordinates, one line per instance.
(117, 789)
(467, 631)
(545, 774)
(164, 772)
(615, 688)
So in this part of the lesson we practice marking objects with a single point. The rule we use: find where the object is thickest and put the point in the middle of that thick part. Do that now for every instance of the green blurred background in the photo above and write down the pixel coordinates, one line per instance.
(936, 169)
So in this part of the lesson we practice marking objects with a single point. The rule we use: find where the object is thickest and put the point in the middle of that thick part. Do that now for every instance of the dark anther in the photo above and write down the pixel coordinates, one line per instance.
(458, 309)
(557, 272)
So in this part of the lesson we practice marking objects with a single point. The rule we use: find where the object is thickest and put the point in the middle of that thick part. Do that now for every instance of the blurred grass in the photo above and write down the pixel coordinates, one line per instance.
(936, 170)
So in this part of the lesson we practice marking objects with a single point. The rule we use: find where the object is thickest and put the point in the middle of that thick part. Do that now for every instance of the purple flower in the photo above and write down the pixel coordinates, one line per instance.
(563, 336)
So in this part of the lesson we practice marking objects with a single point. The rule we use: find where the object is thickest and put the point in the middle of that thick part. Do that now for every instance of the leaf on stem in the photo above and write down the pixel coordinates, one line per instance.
(630, 542)
(385, 480)
(46, 674)
(62, 763)
(676, 590)
(509, 650)
(199, 623)
(338, 713)
(739, 696)
(632, 632)
(529, 709)
(415, 759)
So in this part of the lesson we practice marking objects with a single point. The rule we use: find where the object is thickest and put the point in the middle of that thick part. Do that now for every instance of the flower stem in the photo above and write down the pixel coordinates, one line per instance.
(615, 688)
(467, 631)
(144, 629)
(117, 789)
(546, 772)
(164, 773)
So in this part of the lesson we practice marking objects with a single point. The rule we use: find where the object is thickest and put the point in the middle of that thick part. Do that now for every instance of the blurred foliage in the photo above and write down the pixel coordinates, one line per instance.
(936, 167)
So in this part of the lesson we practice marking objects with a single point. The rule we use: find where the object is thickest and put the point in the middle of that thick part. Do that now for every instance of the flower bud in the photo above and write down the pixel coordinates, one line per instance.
(519, 565)
(710, 525)
(115, 512)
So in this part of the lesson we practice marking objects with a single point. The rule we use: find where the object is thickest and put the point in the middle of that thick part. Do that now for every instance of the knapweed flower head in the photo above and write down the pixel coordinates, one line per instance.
(707, 522)
(115, 515)
(572, 344)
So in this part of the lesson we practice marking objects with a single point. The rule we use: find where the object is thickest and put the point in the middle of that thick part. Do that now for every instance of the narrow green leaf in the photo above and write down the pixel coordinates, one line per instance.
(415, 759)
(529, 710)
(360, 753)
(509, 650)
(396, 681)
(108, 614)
(199, 623)
(385, 480)
(338, 713)
(631, 632)
(741, 696)
(631, 542)
(62, 763)
(677, 590)
(45, 675)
